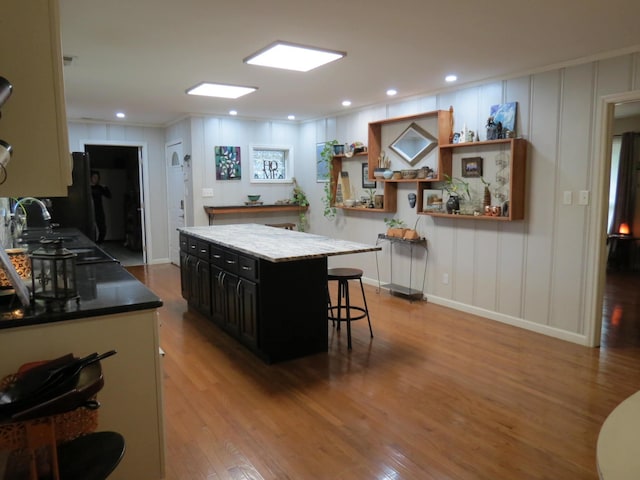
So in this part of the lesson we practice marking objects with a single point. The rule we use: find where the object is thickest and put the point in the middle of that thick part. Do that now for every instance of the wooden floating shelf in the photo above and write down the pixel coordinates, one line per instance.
(249, 209)
(469, 217)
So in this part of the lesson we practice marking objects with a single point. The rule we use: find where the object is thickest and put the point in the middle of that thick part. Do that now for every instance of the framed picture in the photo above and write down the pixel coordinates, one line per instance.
(322, 168)
(366, 183)
(271, 163)
(505, 113)
(432, 200)
(228, 163)
(472, 167)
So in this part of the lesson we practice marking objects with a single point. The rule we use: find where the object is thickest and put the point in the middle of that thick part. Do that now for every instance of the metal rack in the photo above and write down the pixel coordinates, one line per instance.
(395, 288)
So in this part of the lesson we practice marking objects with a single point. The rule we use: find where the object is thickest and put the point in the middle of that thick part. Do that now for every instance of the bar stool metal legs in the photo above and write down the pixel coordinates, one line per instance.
(342, 276)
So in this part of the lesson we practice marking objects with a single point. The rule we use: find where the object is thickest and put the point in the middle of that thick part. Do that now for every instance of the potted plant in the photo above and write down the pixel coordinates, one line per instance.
(326, 155)
(412, 233)
(456, 188)
(299, 198)
(395, 227)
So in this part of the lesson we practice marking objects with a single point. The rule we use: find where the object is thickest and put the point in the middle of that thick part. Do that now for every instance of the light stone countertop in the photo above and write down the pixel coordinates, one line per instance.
(276, 244)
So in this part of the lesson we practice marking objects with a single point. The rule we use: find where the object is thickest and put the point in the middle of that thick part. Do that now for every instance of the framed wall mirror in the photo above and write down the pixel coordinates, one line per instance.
(413, 144)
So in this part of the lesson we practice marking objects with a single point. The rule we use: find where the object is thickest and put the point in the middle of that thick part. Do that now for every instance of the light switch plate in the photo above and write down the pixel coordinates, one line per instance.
(583, 197)
(207, 192)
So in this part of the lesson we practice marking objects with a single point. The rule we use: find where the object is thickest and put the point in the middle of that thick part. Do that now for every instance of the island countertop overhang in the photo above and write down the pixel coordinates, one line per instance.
(275, 244)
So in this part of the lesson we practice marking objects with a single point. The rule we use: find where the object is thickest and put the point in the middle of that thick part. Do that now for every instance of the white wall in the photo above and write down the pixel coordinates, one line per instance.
(534, 273)
(157, 238)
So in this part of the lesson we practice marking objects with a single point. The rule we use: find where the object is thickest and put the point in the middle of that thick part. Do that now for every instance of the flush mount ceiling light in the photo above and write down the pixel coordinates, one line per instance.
(121, 115)
(219, 90)
(450, 78)
(292, 57)
(346, 103)
(391, 92)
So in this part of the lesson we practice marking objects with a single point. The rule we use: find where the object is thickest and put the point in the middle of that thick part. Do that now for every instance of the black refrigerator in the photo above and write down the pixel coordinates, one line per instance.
(76, 209)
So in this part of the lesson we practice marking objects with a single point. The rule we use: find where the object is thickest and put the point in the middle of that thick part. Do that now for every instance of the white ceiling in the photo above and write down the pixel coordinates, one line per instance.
(139, 56)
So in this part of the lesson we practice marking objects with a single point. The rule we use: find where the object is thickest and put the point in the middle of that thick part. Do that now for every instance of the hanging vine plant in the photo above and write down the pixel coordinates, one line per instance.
(300, 198)
(326, 155)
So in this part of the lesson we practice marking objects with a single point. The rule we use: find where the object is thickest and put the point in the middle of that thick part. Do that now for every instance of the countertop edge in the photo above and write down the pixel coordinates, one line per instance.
(195, 232)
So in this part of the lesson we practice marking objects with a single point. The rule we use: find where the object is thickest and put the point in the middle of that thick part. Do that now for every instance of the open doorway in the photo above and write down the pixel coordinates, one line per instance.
(620, 305)
(119, 169)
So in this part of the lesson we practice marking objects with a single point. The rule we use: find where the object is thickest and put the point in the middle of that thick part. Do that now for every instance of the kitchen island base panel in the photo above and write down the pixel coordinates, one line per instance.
(293, 309)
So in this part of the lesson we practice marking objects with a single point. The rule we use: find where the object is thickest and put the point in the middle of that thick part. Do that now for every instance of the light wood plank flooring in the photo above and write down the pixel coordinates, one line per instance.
(437, 394)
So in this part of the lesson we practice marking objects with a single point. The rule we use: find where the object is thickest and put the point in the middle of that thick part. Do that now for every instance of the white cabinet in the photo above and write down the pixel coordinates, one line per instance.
(34, 119)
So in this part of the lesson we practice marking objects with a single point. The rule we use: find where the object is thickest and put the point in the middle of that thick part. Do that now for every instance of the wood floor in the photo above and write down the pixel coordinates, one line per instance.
(437, 394)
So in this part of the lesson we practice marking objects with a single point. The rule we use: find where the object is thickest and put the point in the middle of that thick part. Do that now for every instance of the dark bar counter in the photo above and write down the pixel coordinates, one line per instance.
(104, 286)
(104, 289)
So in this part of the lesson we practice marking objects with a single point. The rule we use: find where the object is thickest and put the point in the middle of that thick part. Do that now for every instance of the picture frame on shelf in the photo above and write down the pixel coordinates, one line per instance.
(366, 183)
(471, 167)
(432, 201)
(322, 167)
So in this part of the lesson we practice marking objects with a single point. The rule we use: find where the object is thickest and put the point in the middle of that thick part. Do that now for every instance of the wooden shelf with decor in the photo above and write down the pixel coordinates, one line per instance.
(514, 149)
(211, 211)
(336, 168)
(444, 119)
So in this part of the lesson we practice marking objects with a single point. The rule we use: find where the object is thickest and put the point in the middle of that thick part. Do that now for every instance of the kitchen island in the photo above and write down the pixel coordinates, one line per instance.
(265, 286)
(115, 312)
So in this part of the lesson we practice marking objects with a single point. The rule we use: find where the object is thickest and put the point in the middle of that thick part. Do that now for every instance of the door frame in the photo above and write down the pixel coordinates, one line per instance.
(143, 168)
(597, 256)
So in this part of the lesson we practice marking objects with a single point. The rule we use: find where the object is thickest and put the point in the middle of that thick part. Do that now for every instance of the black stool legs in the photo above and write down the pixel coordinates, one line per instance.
(342, 276)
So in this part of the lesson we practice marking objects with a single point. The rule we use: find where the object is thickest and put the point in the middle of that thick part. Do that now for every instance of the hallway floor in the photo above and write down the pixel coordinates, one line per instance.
(621, 310)
(126, 257)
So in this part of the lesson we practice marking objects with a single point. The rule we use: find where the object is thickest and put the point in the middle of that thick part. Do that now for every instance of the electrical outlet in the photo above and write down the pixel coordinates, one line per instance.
(583, 197)
(445, 278)
(207, 192)
(567, 197)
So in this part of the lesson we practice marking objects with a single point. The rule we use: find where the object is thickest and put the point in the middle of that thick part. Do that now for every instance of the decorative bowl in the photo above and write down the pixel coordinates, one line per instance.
(253, 198)
(379, 172)
(349, 202)
(387, 174)
(409, 174)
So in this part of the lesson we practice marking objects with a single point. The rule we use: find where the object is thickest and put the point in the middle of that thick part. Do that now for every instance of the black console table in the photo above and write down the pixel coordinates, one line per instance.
(395, 288)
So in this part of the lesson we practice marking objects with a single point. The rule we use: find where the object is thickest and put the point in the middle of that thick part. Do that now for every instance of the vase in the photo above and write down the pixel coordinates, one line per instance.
(453, 204)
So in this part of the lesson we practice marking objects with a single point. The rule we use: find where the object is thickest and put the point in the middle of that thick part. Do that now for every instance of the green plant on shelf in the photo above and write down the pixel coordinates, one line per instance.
(456, 187)
(394, 223)
(300, 198)
(326, 155)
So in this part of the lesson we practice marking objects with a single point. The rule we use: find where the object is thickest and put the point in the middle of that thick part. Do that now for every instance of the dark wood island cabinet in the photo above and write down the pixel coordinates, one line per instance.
(264, 286)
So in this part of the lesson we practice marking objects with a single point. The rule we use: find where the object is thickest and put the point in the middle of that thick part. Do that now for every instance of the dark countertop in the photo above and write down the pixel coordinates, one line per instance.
(104, 288)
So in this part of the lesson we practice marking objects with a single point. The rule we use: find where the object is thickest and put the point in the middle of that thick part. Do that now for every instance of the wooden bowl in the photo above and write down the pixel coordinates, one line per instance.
(409, 174)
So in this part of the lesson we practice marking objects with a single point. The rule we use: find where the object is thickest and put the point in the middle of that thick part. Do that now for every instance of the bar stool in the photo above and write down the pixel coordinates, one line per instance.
(342, 276)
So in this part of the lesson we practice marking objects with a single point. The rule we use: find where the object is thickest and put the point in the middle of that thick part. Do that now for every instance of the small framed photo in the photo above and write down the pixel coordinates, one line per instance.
(366, 183)
(471, 167)
(432, 201)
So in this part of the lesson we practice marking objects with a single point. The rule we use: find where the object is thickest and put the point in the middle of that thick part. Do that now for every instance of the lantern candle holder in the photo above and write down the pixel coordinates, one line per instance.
(53, 275)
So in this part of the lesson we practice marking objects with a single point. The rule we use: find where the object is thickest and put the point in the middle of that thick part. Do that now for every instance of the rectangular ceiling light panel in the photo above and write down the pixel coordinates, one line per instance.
(220, 90)
(293, 57)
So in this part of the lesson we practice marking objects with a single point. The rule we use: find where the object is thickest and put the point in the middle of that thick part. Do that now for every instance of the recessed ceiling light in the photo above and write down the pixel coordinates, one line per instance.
(120, 115)
(391, 92)
(450, 78)
(291, 117)
(220, 90)
(346, 103)
(233, 112)
(292, 57)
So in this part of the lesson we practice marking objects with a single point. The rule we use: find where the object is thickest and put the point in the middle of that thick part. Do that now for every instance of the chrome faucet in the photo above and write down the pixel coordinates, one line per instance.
(46, 216)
